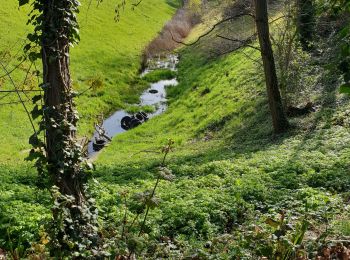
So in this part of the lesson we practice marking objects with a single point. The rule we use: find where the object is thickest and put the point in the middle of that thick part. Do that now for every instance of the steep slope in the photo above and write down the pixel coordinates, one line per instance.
(234, 178)
(107, 59)
(232, 174)
(108, 54)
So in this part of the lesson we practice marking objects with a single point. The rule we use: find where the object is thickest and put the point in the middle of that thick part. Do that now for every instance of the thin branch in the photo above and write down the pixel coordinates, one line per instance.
(237, 49)
(216, 25)
(250, 58)
(137, 4)
(14, 103)
(19, 97)
(25, 79)
(245, 42)
(4, 96)
(279, 18)
(84, 91)
(16, 67)
(20, 90)
(212, 29)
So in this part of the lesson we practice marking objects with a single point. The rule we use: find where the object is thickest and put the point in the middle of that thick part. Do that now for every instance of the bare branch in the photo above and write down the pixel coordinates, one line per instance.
(19, 97)
(135, 5)
(10, 71)
(245, 42)
(20, 90)
(212, 29)
(250, 58)
(14, 103)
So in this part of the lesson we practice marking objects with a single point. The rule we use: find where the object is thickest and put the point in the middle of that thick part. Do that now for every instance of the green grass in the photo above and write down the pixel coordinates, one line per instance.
(232, 172)
(133, 109)
(107, 57)
(109, 53)
(230, 169)
(158, 75)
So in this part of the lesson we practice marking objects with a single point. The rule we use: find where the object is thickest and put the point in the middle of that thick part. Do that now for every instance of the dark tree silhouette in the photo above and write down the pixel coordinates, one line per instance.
(279, 120)
(305, 23)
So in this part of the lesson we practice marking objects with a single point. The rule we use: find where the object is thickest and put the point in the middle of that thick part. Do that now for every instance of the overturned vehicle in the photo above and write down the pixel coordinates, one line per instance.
(129, 122)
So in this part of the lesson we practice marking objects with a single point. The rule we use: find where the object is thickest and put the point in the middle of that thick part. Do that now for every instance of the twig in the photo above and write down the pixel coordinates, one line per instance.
(135, 5)
(84, 91)
(166, 151)
(243, 42)
(250, 58)
(13, 103)
(20, 90)
(212, 29)
(20, 98)
(26, 77)
(16, 67)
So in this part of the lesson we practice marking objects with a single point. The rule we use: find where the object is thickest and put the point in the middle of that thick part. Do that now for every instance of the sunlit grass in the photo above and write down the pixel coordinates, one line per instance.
(108, 51)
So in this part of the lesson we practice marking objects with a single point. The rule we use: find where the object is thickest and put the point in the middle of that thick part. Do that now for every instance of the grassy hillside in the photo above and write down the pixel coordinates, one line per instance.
(109, 54)
(108, 57)
(234, 178)
(232, 173)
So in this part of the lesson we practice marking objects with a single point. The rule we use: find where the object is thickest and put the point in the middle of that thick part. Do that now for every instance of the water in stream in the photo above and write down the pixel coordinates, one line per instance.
(155, 96)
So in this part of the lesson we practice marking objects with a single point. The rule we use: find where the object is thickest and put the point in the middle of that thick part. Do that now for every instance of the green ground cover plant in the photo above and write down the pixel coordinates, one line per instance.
(239, 190)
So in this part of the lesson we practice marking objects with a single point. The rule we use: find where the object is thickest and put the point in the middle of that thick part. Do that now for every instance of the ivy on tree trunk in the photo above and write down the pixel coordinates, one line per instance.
(74, 227)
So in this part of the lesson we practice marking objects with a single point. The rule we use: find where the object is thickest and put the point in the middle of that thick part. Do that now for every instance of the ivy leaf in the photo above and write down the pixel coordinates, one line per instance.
(344, 66)
(35, 141)
(345, 50)
(27, 47)
(344, 32)
(36, 112)
(31, 37)
(36, 98)
(23, 2)
(44, 86)
(33, 155)
(33, 56)
(345, 88)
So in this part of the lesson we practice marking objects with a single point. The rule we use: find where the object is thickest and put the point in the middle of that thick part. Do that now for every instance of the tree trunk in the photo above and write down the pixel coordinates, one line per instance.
(60, 116)
(74, 215)
(279, 120)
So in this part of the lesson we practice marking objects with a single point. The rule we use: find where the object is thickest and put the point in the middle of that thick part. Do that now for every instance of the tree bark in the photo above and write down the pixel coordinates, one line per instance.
(279, 120)
(59, 112)
(74, 215)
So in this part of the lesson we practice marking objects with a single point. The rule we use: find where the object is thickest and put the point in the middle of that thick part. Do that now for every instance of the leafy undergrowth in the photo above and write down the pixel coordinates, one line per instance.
(240, 191)
(106, 62)
(157, 75)
(23, 208)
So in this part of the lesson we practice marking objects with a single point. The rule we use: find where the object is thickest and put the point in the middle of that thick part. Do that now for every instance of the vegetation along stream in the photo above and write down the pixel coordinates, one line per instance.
(122, 120)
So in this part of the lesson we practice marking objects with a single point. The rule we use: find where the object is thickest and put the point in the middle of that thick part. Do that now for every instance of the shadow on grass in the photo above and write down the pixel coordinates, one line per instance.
(254, 135)
(326, 102)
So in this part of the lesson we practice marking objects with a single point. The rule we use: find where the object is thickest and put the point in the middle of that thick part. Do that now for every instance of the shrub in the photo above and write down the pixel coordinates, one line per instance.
(177, 28)
(158, 75)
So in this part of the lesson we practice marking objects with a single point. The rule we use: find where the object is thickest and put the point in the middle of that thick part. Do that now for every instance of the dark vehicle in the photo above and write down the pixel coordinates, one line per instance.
(98, 144)
(129, 122)
(101, 139)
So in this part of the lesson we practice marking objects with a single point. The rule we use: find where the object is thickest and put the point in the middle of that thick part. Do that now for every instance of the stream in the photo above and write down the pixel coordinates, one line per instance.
(155, 96)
